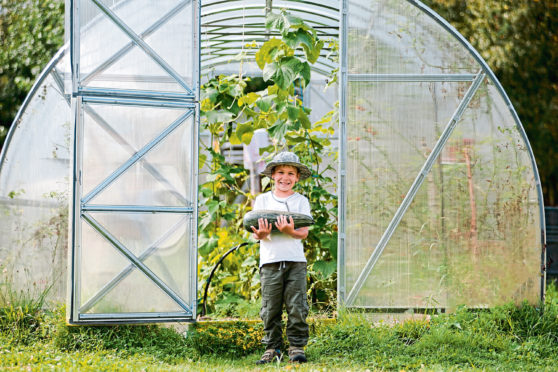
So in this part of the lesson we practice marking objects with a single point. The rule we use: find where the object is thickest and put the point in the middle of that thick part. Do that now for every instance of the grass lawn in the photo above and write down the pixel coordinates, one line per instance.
(506, 338)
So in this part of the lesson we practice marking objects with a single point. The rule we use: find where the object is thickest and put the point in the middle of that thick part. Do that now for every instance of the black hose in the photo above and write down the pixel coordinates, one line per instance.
(204, 309)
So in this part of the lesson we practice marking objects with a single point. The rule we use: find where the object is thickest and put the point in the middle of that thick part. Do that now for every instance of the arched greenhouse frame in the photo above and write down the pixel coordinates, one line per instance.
(440, 202)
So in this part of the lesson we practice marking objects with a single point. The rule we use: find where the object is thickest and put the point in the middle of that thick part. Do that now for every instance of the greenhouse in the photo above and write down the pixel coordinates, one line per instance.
(440, 202)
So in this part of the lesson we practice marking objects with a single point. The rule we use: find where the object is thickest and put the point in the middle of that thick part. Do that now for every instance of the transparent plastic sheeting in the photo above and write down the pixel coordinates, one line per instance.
(158, 239)
(229, 29)
(472, 233)
(34, 196)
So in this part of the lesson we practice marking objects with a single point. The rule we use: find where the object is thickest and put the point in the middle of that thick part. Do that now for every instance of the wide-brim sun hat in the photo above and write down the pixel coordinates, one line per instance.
(287, 158)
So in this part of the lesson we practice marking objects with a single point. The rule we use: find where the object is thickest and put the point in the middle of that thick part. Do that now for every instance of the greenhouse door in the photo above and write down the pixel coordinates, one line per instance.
(134, 81)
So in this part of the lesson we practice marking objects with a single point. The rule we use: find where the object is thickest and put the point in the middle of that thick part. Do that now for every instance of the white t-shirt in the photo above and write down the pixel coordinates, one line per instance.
(282, 247)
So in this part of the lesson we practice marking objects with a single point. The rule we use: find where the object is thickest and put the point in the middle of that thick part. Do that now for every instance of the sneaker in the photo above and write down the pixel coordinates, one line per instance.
(269, 356)
(296, 354)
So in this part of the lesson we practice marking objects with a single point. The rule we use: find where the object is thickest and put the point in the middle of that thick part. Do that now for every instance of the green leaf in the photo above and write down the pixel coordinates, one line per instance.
(278, 130)
(248, 99)
(305, 73)
(312, 53)
(292, 112)
(264, 55)
(326, 268)
(212, 206)
(329, 242)
(300, 37)
(284, 72)
(219, 116)
(265, 103)
(244, 132)
(304, 121)
(234, 139)
(284, 22)
(201, 160)
(210, 93)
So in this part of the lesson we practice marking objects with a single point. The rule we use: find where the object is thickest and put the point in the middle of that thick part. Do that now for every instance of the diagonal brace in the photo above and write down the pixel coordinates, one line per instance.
(137, 156)
(128, 269)
(414, 189)
(143, 45)
(125, 49)
(132, 150)
(135, 261)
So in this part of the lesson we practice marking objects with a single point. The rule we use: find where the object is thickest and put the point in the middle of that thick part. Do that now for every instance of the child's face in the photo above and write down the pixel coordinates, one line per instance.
(285, 177)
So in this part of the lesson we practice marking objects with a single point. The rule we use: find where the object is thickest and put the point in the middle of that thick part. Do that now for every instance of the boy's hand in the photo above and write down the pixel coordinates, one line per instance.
(284, 225)
(263, 230)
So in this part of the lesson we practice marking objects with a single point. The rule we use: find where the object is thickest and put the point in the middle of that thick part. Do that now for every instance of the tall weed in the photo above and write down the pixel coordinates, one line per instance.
(21, 312)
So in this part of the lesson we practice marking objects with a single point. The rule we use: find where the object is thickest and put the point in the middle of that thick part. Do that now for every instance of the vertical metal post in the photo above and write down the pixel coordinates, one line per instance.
(342, 184)
(194, 171)
(75, 205)
(74, 44)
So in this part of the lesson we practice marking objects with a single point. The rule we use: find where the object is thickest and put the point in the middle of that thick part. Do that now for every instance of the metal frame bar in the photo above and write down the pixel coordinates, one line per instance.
(414, 188)
(137, 102)
(127, 318)
(410, 77)
(75, 28)
(142, 44)
(135, 209)
(75, 222)
(128, 269)
(194, 169)
(134, 94)
(137, 156)
(343, 84)
(138, 263)
(125, 49)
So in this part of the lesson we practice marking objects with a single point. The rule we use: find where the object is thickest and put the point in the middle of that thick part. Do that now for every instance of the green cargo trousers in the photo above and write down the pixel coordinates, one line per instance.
(284, 283)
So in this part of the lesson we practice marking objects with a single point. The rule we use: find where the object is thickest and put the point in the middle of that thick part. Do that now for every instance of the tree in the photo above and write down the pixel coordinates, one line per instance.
(519, 40)
(31, 31)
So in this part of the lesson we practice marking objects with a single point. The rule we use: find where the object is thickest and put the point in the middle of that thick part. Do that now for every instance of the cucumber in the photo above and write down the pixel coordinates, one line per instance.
(251, 219)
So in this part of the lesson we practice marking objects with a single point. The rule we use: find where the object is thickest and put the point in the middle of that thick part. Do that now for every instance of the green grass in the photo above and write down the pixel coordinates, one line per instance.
(506, 338)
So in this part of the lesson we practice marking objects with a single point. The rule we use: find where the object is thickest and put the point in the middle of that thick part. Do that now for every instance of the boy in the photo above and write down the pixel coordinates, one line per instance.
(282, 260)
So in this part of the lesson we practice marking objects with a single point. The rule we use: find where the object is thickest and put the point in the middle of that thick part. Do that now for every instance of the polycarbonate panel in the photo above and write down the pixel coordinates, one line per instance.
(471, 234)
(162, 177)
(123, 300)
(160, 241)
(34, 194)
(114, 133)
(393, 36)
(386, 148)
(112, 57)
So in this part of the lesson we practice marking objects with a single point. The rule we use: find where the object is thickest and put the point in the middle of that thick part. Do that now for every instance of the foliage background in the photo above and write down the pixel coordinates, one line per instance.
(31, 31)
